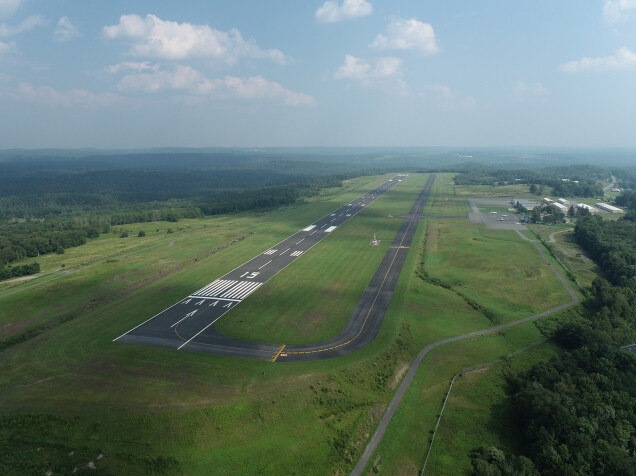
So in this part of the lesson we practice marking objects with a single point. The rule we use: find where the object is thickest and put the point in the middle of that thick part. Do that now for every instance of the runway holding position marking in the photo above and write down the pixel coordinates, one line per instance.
(188, 323)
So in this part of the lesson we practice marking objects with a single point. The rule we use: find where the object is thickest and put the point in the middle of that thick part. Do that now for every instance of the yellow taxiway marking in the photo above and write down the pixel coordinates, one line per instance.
(278, 353)
(372, 305)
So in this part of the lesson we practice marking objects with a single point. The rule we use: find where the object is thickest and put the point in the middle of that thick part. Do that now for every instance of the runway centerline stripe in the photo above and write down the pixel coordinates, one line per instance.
(265, 264)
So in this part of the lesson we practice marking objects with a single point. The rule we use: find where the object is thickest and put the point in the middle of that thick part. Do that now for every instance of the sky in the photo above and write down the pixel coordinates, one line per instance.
(253, 73)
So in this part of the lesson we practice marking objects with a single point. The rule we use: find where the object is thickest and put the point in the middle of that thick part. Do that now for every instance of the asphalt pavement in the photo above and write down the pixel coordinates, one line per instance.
(189, 324)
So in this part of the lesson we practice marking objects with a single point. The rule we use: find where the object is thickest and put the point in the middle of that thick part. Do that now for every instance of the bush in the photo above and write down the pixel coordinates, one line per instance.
(124, 234)
(141, 233)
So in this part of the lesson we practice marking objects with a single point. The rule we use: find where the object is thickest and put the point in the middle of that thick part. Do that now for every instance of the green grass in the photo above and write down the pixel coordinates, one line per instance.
(444, 201)
(477, 413)
(220, 415)
(405, 443)
(566, 249)
(495, 268)
(314, 297)
(136, 403)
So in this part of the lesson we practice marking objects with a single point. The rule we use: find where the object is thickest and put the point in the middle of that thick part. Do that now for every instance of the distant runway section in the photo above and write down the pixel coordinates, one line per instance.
(188, 324)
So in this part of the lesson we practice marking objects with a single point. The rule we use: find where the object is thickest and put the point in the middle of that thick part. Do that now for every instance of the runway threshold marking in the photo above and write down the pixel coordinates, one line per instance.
(372, 305)
(278, 353)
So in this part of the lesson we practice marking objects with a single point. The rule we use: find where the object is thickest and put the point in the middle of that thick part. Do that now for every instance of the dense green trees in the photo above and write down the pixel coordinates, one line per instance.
(17, 271)
(581, 181)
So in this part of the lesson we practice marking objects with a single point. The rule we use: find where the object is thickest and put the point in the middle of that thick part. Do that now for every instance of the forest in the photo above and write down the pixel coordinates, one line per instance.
(573, 181)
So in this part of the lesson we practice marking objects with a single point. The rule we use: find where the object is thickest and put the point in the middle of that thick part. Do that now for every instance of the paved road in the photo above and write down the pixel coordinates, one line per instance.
(408, 378)
(188, 324)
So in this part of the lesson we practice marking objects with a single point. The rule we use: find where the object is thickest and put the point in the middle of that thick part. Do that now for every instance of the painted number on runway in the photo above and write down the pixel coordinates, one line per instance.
(249, 275)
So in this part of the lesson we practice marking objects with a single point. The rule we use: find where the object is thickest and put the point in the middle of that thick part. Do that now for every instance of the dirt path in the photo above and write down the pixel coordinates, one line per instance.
(397, 398)
(551, 237)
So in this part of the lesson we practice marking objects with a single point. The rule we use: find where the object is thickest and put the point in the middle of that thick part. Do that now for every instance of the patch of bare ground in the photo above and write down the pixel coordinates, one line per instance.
(407, 468)
(22, 278)
(14, 327)
(400, 370)
(307, 323)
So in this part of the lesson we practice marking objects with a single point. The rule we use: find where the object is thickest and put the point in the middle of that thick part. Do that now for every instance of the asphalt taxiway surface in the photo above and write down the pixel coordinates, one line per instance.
(189, 324)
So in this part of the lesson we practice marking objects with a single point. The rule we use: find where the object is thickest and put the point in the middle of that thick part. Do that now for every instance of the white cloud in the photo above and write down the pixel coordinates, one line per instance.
(361, 70)
(27, 24)
(156, 38)
(73, 98)
(618, 10)
(258, 87)
(407, 35)
(65, 30)
(6, 47)
(332, 12)
(7, 7)
(623, 59)
(131, 66)
(523, 89)
(185, 79)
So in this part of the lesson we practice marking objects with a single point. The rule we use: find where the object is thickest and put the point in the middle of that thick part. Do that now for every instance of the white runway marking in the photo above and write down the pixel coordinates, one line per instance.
(266, 264)
(300, 241)
(270, 252)
(215, 287)
(284, 252)
(296, 253)
(309, 228)
(242, 290)
(330, 229)
(185, 317)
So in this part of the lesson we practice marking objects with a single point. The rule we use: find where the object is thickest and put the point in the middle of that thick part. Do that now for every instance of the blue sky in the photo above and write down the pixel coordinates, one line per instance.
(115, 74)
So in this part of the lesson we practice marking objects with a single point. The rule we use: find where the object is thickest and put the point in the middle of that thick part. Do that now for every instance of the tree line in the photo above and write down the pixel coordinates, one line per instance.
(20, 240)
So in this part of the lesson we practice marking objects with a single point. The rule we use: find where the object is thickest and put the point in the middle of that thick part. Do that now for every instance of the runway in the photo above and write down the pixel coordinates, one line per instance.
(189, 324)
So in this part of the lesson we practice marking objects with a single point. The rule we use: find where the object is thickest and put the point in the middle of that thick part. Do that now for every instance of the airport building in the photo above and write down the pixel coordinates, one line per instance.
(608, 208)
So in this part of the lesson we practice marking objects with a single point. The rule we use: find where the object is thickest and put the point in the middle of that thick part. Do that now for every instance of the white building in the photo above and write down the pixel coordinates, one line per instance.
(547, 200)
(608, 208)
(560, 206)
(563, 201)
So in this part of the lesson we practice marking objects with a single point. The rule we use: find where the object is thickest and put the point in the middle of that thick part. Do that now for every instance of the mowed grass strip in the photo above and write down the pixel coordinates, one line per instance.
(497, 269)
(312, 299)
(400, 199)
(443, 200)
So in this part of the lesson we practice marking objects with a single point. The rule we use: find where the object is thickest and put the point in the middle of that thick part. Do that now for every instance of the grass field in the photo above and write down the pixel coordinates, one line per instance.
(444, 201)
(314, 297)
(141, 406)
(65, 387)
(494, 268)
(568, 251)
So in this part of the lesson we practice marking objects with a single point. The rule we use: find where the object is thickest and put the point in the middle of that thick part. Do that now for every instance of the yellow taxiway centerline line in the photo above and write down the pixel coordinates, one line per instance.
(278, 353)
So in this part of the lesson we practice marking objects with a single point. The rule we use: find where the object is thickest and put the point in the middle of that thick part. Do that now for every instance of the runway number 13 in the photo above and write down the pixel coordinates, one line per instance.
(249, 275)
